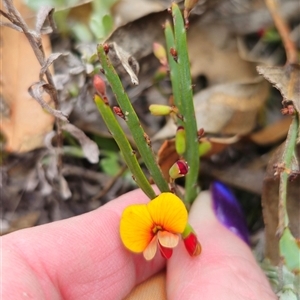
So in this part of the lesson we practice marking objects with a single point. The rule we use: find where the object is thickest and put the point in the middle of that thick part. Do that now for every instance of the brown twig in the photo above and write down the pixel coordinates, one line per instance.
(34, 38)
(284, 31)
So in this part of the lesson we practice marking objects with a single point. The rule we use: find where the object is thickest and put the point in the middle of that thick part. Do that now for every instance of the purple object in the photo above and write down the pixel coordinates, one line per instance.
(228, 210)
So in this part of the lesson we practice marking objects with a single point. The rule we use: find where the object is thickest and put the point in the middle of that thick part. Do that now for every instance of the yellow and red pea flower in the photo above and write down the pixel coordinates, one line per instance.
(157, 224)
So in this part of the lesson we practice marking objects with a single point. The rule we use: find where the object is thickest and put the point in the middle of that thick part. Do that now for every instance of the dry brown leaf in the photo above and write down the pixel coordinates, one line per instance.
(286, 80)
(239, 176)
(132, 38)
(119, 55)
(123, 12)
(230, 108)
(244, 17)
(167, 156)
(27, 123)
(272, 133)
(214, 53)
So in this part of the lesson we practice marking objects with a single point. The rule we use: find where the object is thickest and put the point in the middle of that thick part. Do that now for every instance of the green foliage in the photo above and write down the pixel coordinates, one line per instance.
(110, 162)
(58, 4)
(124, 145)
(98, 26)
(132, 121)
(284, 283)
(271, 36)
(290, 250)
(183, 97)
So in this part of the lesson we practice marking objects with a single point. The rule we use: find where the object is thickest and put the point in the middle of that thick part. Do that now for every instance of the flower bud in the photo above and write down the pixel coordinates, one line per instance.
(179, 169)
(160, 74)
(99, 85)
(190, 4)
(160, 110)
(180, 140)
(190, 241)
(160, 53)
(204, 148)
(192, 245)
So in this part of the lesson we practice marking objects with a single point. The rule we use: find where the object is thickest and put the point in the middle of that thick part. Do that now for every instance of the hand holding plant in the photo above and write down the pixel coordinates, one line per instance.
(159, 223)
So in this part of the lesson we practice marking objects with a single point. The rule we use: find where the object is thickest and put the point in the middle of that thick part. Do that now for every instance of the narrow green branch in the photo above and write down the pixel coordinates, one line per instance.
(132, 120)
(173, 66)
(124, 145)
(188, 112)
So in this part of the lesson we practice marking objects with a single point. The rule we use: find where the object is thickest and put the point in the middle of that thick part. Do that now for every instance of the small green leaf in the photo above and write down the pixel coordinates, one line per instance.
(110, 163)
(81, 32)
(290, 251)
(108, 24)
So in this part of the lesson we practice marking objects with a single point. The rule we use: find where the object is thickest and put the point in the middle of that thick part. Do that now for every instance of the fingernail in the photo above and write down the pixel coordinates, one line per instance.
(229, 211)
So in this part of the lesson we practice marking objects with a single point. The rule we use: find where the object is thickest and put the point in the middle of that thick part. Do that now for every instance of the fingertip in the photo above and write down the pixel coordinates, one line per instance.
(201, 210)
(224, 267)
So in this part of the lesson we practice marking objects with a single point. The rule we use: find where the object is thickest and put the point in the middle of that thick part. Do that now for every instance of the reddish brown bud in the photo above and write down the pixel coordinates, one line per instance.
(147, 139)
(200, 133)
(118, 111)
(288, 110)
(99, 85)
(174, 53)
(106, 48)
(279, 168)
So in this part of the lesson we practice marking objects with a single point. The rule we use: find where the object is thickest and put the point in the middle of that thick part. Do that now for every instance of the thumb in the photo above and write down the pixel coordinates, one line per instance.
(226, 268)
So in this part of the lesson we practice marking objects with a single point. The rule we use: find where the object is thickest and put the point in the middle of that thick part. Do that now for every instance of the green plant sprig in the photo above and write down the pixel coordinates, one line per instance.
(124, 145)
(288, 246)
(132, 121)
(186, 106)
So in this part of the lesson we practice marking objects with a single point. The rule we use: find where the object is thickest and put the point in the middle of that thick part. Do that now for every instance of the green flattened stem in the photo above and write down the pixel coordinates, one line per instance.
(132, 120)
(288, 246)
(123, 143)
(186, 107)
(174, 73)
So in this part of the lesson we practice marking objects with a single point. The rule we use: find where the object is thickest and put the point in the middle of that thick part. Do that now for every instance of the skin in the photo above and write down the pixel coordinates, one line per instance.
(83, 258)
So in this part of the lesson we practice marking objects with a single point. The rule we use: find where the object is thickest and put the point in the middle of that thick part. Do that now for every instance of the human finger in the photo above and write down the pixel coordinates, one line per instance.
(78, 258)
(226, 268)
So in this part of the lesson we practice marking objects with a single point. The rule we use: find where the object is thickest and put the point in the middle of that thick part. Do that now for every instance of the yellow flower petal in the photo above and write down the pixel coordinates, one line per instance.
(151, 249)
(169, 212)
(136, 228)
(168, 239)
